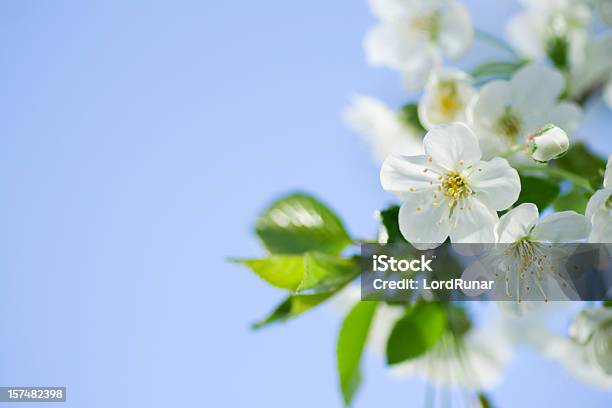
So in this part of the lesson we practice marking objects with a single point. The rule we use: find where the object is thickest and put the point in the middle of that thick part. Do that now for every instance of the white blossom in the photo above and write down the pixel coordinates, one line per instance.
(474, 359)
(599, 209)
(449, 190)
(587, 352)
(549, 27)
(382, 128)
(414, 35)
(507, 112)
(524, 265)
(447, 95)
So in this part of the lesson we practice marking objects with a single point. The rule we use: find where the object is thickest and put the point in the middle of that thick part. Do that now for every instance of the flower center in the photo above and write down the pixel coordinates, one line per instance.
(609, 202)
(428, 25)
(455, 186)
(448, 99)
(509, 125)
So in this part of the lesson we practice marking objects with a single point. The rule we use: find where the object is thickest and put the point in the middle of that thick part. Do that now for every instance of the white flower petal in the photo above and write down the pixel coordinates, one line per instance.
(535, 88)
(516, 223)
(565, 226)
(456, 31)
(452, 146)
(405, 175)
(495, 183)
(602, 226)
(418, 67)
(381, 128)
(494, 97)
(524, 31)
(474, 223)
(423, 224)
(597, 201)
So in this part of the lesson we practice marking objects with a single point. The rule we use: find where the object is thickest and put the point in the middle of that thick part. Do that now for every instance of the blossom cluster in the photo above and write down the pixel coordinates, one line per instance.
(457, 156)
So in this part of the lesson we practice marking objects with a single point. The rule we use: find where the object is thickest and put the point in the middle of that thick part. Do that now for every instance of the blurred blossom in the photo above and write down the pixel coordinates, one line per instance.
(474, 359)
(507, 112)
(382, 128)
(599, 209)
(592, 68)
(449, 190)
(414, 35)
(587, 352)
(557, 28)
(466, 356)
(447, 95)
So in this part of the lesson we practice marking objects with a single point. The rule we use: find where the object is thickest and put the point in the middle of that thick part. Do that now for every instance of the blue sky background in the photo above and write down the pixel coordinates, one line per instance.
(139, 141)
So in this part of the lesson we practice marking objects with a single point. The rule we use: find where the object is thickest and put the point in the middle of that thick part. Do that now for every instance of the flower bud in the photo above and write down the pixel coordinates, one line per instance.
(548, 143)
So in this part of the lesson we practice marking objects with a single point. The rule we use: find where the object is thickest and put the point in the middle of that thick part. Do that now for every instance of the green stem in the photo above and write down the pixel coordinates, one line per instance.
(491, 39)
(512, 150)
(560, 174)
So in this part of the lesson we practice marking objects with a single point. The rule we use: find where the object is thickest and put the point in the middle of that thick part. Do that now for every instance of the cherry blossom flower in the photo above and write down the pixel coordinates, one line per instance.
(414, 35)
(587, 352)
(447, 95)
(449, 190)
(507, 112)
(557, 28)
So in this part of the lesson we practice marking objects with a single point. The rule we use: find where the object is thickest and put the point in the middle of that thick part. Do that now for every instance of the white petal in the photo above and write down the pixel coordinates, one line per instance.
(494, 97)
(472, 224)
(516, 223)
(566, 115)
(608, 175)
(535, 88)
(495, 183)
(597, 201)
(431, 107)
(452, 146)
(456, 31)
(401, 175)
(381, 128)
(565, 226)
(602, 226)
(417, 69)
(524, 31)
(423, 224)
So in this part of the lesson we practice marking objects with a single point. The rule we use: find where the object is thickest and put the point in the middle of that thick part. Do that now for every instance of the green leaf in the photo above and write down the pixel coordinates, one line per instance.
(389, 219)
(292, 306)
(298, 223)
(282, 271)
(409, 115)
(575, 199)
(416, 333)
(580, 160)
(323, 272)
(303, 272)
(351, 342)
(607, 303)
(537, 190)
